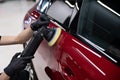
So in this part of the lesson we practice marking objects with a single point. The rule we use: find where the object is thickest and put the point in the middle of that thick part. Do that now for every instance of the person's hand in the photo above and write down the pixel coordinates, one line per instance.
(43, 20)
(17, 64)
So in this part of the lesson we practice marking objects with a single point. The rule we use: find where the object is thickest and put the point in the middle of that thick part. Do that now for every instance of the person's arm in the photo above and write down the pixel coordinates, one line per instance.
(26, 34)
(4, 76)
(21, 38)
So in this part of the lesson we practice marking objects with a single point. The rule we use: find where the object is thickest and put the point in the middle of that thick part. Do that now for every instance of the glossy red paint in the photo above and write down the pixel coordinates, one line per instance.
(72, 59)
(30, 16)
(84, 62)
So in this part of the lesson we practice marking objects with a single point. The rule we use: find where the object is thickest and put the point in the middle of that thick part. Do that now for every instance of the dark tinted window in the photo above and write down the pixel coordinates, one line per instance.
(113, 4)
(101, 26)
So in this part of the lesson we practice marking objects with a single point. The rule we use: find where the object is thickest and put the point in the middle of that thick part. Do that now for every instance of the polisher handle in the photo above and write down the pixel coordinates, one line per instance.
(34, 43)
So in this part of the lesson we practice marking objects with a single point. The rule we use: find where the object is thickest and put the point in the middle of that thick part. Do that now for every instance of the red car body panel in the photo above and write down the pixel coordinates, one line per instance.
(89, 63)
(72, 59)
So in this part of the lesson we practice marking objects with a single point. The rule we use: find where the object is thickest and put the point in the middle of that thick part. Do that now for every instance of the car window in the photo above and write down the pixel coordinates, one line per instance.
(100, 24)
(62, 11)
(59, 11)
(112, 4)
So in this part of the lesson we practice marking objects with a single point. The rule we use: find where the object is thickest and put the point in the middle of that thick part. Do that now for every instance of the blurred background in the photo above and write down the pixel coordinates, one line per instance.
(12, 13)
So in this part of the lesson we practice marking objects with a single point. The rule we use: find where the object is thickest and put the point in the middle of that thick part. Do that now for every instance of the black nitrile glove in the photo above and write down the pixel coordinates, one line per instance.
(17, 64)
(43, 20)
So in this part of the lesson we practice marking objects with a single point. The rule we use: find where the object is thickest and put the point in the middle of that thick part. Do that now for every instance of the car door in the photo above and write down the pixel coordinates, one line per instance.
(83, 58)
(60, 13)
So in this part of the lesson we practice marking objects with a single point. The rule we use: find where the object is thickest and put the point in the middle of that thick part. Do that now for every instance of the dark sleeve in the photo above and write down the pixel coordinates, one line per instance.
(0, 37)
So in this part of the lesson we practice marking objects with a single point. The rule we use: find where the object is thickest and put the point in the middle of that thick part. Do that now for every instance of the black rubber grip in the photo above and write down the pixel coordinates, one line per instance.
(34, 43)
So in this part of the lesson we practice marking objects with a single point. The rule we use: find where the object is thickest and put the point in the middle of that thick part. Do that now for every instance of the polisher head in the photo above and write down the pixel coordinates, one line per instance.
(52, 35)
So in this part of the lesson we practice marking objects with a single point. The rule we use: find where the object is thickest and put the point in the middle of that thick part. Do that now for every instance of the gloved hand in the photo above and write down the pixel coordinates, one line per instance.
(17, 64)
(43, 20)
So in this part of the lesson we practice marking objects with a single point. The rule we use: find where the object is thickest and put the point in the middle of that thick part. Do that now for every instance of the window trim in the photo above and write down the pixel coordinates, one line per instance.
(107, 7)
(115, 59)
(97, 48)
